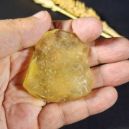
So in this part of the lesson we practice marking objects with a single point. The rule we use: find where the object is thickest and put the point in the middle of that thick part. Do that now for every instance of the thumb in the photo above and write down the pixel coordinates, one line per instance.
(21, 33)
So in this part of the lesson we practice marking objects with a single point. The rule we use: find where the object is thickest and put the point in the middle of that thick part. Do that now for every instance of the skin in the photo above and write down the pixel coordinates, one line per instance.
(19, 110)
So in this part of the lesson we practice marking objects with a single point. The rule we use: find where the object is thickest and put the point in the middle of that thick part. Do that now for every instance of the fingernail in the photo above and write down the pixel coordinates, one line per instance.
(44, 17)
(41, 14)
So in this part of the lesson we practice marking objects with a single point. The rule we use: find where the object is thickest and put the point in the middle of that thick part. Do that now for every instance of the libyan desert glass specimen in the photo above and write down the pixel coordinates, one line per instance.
(59, 69)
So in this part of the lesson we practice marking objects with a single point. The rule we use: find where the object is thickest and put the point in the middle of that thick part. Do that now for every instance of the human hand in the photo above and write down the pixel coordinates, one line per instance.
(19, 110)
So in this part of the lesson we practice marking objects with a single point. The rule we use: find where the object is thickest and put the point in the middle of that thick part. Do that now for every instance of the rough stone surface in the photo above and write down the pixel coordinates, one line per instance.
(59, 69)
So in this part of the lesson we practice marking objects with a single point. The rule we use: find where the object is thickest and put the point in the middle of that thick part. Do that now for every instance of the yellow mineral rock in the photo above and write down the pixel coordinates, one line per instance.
(59, 69)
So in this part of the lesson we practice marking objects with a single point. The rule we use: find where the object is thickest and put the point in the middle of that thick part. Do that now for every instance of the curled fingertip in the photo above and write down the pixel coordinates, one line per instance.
(87, 29)
(112, 95)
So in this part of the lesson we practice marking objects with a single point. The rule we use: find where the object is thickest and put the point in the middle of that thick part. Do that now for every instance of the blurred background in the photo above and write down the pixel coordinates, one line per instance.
(115, 12)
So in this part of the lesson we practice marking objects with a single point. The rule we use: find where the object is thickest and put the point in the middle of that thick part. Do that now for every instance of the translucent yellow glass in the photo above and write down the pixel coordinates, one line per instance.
(59, 69)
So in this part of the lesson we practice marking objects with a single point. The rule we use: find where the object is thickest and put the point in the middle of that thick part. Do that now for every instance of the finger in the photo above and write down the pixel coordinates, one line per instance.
(87, 29)
(65, 25)
(109, 51)
(21, 33)
(67, 113)
(111, 74)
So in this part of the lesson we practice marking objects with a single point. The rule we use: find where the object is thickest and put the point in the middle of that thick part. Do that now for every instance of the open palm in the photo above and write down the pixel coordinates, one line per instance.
(19, 110)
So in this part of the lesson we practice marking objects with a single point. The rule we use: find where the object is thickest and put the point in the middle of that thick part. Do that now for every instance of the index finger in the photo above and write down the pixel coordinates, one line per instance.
(87, 29)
